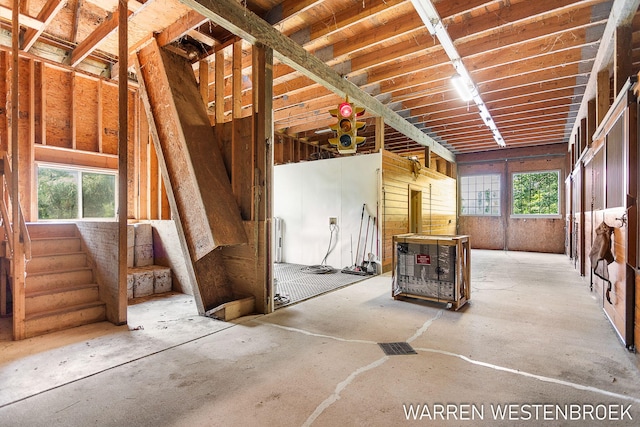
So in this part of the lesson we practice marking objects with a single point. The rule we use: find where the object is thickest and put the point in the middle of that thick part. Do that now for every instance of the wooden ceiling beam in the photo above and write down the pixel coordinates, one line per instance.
(243, 23)
(26, 20)
(92, 42)
(180, 28)
(46, 15)
(422, 45)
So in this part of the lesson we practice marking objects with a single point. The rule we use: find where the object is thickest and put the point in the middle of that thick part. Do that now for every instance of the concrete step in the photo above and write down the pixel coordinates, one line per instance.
(60, 298)
(55, 245)
(39, 282)
(58, 262)
(56, 320)
(42, 230)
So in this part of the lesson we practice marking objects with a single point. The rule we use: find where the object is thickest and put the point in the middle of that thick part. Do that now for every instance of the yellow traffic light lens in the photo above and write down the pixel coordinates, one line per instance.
(345, 125)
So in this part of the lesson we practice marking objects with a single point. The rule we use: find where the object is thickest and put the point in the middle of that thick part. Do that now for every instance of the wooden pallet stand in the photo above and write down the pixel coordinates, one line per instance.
(432, 268)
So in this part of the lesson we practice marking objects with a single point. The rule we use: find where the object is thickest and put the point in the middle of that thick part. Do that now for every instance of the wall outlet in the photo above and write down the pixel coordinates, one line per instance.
(333, 220)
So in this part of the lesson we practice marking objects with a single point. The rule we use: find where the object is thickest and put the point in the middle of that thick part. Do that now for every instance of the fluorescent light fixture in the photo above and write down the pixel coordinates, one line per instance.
(464, 89)
(462, 80)
(428, 13)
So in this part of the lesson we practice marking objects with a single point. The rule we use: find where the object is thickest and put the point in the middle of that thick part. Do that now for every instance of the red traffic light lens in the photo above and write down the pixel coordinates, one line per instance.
(346, 110)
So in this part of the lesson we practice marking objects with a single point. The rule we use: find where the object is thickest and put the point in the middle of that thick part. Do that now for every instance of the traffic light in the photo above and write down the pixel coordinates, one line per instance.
(347, 139)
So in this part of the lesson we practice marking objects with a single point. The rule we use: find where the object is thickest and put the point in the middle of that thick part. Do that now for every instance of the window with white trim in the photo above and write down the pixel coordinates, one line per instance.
(480, 195)
(536, 193)
(75, 193)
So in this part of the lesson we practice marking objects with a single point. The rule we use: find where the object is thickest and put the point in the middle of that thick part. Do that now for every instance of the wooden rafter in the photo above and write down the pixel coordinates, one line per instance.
(180, 27)
(26, 20)
(46, 15)
(92, 42)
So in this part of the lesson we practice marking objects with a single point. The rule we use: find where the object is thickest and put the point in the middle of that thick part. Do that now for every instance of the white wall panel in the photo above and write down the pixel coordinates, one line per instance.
(305, 196)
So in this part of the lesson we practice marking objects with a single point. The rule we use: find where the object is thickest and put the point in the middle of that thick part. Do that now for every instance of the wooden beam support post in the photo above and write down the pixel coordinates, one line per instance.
(379, 142)
(427, 157)
(263, 140)
(120, 314)
(203, 81)
(591, 121)
(219, 86)
(623, 57)
(603, 95)
(17, 263)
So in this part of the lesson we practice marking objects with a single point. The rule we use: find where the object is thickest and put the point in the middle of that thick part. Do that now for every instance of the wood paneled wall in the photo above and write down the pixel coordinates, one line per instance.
(439, 201)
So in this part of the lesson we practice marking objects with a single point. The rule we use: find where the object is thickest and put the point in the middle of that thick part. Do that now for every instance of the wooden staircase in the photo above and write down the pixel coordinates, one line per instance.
(60, 290)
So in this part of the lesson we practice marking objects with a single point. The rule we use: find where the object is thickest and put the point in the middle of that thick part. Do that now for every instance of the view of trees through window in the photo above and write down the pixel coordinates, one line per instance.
(75, 194)
(480, 195)
(536, 193)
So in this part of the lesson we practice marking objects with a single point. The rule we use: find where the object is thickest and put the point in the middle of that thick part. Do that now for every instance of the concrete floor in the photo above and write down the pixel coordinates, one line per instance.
(533, 335)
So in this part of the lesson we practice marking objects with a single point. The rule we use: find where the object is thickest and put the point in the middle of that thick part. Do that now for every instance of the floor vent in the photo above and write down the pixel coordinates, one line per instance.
(396, 348)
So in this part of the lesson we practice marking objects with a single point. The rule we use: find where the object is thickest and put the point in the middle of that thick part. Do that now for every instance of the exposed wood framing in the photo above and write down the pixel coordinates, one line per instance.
(236, 110)
(181, 27)
(603, 96)
(46, 15)
(26, 20)
(379, 143)
(219, 86)
(623, 57)
(92, 42)
(18, 263)
(622, 12)
(243, 23)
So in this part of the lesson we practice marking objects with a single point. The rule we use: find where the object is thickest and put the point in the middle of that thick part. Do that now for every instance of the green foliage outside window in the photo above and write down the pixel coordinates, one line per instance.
(74, 194)
(57, 194)
(98, 195)
(536, 193)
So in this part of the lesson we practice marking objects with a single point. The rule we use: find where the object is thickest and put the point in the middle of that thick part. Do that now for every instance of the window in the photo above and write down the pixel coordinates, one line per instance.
(536, 193)
(480, 195)
(67, 193)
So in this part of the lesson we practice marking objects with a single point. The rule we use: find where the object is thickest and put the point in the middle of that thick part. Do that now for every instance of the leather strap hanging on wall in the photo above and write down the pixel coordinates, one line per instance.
(601, 255)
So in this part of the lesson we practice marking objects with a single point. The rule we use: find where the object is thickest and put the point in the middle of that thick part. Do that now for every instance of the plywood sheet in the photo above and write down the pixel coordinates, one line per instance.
(86, 108)
(109, 129)
(58, 107)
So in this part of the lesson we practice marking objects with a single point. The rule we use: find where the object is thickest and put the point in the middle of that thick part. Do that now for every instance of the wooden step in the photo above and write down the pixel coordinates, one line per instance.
(56, 320)
(42, 230)
(39, 282)
(59, 262)
(53, 245)
(61, 298)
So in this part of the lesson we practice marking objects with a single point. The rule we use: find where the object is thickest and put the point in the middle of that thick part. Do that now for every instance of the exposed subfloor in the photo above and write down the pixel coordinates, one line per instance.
(533, 337)
(295, 282)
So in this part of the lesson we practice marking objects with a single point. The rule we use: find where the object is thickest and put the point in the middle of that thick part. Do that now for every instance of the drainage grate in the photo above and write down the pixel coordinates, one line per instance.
(396, 348)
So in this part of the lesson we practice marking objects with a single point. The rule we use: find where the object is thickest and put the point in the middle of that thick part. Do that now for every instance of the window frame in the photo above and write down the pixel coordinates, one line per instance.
(80, 170)
(498, 198)
(538, 215)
